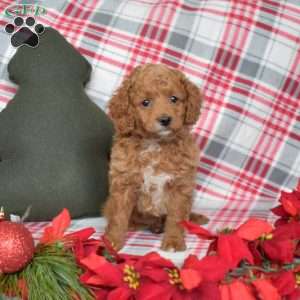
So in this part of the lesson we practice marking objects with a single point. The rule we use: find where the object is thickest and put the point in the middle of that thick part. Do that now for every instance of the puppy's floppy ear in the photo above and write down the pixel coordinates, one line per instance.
(120, 109)
(194, 101)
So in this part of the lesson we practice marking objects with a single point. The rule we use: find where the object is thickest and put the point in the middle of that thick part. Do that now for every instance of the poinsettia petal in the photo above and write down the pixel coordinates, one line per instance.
(111, 276)
(213, 268)
(209, 290)
(281, 221)
(289, 207)
(190, 261)
(279, 250)
(266, 290)
(153, 259)
(82, 234)
(121, 293)
(225, 250)
(100, 294)
(155, 274)
(190, 278)
(240, 290)
(198, 230)
(109, 273)
(293, 196)
(61, 222)
(108, 246)
(151, 291)
(255, 250)
(236, 290)
(57, 228)
(253, 229)
(183, 295)
(233, 249)
(224, 292)
(83, 249)
(212, 248)
(285, 283)
(279, 211)
(90, 246)
(90, 278)
(93, 262)
(297, 195)
(295, 295)
(289, 230)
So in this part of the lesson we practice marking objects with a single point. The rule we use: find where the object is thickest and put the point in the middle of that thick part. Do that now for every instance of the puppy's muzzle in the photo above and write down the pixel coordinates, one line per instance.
(165, 121)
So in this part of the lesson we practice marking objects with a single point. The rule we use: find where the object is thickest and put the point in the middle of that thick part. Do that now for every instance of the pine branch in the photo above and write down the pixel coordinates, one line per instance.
(52, 275)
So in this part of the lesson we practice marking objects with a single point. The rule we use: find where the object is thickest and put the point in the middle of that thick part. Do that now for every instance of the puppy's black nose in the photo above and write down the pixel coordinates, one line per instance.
(165, 121)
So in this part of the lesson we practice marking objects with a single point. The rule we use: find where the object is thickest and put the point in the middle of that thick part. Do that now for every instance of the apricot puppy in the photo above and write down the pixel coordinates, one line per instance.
(154, 156)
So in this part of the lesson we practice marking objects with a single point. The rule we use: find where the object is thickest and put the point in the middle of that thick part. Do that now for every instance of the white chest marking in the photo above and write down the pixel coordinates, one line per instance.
(154, 185)
(154, 182)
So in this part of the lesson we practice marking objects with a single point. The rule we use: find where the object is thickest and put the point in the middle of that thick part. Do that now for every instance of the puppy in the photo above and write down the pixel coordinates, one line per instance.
(154, 156)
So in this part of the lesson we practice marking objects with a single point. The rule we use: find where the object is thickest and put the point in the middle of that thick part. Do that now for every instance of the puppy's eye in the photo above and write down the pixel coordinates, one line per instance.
(146, 102)
(173, 99)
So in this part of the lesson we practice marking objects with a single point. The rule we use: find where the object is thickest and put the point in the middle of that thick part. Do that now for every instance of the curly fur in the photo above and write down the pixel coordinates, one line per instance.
(153, 167)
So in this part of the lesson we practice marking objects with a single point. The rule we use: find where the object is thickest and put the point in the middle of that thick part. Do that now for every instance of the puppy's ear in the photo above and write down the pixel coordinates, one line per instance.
(120, 109)
(194, 101)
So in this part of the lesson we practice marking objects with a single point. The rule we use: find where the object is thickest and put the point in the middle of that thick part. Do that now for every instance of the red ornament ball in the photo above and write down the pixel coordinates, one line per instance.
(16, 247)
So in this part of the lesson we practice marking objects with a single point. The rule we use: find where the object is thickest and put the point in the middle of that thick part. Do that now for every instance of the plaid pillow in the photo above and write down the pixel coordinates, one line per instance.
(245, 57)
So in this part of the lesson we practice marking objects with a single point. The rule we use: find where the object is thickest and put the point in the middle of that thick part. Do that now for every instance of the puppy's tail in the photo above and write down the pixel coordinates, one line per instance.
(198, 219)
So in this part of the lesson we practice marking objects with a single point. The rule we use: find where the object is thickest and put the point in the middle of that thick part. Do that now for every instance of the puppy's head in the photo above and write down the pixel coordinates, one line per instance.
(155, 100)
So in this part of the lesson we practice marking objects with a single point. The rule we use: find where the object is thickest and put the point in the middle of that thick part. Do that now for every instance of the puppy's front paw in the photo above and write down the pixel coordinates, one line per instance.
(116, 240)
(173, 243)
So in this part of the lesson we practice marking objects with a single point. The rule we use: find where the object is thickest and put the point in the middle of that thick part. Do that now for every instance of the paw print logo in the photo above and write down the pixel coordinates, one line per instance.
(22, 34)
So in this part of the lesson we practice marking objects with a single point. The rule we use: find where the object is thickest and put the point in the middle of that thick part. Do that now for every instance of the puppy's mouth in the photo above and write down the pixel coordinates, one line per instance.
(162, 130)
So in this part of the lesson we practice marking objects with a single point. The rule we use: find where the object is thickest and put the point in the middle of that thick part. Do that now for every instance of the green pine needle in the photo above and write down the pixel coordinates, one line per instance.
(52, 275)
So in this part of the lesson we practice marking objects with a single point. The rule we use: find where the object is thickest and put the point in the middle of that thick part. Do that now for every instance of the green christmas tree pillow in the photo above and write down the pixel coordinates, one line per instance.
(54, 141)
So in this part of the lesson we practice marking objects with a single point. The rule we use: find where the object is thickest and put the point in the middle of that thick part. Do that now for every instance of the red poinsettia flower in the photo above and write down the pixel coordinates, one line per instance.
(79, 241)
(227, 244)
(126, 280)
(276, 249)
(59, 225)
(289, 210)
(179, 284)
(119, 281)
(278, 245)
(57, 229)
(166, 281)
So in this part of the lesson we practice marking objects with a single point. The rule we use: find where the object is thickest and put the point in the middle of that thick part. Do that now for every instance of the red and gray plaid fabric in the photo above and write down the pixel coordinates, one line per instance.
(244, 55)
